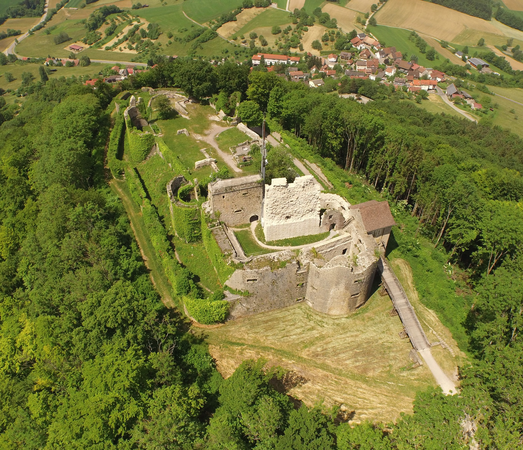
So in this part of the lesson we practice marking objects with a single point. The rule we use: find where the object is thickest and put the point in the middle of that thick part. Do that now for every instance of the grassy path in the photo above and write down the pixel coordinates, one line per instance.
(146, 248)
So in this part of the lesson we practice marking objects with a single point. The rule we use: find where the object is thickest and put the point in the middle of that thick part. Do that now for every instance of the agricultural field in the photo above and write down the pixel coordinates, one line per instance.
(361, 5)
(326, 355)
(346, 18)
(447, 53)
(203, 10)
(19, 68)
(399, 38)
(436, 105)
(431, 19)
(515, 5)
(282, 4)
(261, 23)
(310, 5)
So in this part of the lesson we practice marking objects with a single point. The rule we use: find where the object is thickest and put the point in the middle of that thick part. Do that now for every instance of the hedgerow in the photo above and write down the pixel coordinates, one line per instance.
(115, 165)
(207, 311)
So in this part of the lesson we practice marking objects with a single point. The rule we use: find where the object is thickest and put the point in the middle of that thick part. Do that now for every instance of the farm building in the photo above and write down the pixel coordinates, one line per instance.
(475, 62)
(76, 48)
(316, 83)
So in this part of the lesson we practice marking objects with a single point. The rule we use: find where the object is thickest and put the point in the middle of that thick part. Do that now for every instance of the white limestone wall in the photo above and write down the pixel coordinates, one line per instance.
(291, 210)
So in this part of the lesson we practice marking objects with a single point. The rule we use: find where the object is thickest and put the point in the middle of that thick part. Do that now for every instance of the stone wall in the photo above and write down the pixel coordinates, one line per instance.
(238, 200)
(291, 210)
(269, 287)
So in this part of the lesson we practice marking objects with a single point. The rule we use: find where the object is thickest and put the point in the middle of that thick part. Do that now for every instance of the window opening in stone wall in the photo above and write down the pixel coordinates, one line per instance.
(355, 295)
(332, 226)
(223, 196)
(238, 211)
(358, 281)
(253, 218)
(287, 217)
(330, 217)
(252, 280)
(344, 251)
(244, 193)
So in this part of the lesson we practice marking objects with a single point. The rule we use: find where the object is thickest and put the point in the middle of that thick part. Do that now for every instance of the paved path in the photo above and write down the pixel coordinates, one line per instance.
(412, 326)
(11, 49)
(509, 99)
(443, 95)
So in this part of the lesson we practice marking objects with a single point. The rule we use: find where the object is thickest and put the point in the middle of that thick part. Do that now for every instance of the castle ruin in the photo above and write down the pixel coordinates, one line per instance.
(333, 276)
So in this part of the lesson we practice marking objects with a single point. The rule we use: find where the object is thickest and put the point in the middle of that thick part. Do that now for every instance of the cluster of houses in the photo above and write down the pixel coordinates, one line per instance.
(121, 74)
(454, 93)
(368, 60)
(61, 61)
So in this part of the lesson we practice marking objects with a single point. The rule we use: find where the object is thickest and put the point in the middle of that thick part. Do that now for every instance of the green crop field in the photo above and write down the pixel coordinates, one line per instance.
(203, 10)
(399, 38)
(268, 18)
(18, 68)
(281, 3)
(311, 5)
(74, 3)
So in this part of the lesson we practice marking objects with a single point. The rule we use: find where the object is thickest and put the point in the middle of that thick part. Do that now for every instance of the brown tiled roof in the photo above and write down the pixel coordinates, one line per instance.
(375, 215)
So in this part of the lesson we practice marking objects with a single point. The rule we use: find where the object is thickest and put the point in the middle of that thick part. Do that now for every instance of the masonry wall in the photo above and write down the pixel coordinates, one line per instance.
(291, 210)
(269, 289)
(236, 204)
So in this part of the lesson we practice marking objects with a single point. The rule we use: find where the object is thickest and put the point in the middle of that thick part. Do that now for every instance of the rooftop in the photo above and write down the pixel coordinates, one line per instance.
(375, 215)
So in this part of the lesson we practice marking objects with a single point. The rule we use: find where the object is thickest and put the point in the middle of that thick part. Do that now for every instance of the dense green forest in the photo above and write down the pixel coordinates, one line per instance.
(509, 18)
(90, 357)
(24, 8)
(478, 8)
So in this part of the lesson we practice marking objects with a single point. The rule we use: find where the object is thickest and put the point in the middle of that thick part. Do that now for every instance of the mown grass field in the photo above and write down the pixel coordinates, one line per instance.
(267, 19)
(311, 5)
(18, 68)
(431, 19)
(357, 361)
(346, 18)
(230, 138)
(360, 5)
(398, 38)
(203, 10)
(436, 105)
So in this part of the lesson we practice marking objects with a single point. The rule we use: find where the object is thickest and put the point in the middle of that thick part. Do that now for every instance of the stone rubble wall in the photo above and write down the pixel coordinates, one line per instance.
(291, 210)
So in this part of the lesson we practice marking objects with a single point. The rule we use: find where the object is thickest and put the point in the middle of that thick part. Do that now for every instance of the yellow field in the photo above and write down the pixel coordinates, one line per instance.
(242, 19)
(357, 361)
(516, 65)
(314, 34)
(361, 5)
(431, 19)
(293, 4)
(346, 18)
(516, 5)
(507, 31)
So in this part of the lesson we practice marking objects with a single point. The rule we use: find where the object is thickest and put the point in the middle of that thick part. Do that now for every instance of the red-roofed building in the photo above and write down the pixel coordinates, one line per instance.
(376, 218)
(76, 48)
(437, 75)
(332, 58)
(90, 82)
(115, 68)
(271, 59)
(477, 106)
(426, 85)
(329, 73)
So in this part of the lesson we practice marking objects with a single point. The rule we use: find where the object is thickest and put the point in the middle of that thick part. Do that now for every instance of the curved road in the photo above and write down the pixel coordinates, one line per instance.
(11, 49)
(453, 106)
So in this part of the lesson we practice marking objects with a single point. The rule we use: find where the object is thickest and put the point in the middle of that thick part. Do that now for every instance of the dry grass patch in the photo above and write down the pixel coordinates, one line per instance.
(516, 5)
(242, 19)
(293, 4)
(314, 34)
(508, 31)
(431, 19)
(358, 361)
(346, 18)
(516, 65)
(361, 5)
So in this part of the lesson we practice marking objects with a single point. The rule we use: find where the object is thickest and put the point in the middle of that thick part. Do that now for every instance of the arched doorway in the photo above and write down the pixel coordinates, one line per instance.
(253, 218)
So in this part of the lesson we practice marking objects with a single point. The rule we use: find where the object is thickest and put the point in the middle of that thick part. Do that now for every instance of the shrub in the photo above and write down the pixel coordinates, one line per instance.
(207, 311)
(61, 38)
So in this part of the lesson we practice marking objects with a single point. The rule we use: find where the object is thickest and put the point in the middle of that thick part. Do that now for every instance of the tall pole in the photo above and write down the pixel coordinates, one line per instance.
(263, 164)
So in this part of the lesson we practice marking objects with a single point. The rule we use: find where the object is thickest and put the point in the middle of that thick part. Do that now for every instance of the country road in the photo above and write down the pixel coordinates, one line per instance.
(11, 49)
(453, 106)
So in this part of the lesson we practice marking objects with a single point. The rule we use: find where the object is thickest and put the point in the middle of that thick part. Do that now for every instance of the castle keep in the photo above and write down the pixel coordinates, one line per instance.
(333, 276)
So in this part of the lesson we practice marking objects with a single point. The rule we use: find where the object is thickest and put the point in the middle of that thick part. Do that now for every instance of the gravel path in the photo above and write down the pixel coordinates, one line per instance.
(210, 138)
(443, 95)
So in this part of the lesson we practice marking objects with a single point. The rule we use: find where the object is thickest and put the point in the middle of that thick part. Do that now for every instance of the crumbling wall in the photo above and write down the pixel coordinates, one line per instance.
(291, 210)
(270, 287)
(237, 200)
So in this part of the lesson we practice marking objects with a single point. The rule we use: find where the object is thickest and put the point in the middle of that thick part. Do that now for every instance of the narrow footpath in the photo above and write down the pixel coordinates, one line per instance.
(413, 327)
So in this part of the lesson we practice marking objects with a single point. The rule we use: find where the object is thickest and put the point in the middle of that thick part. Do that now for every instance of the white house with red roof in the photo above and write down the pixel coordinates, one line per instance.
(271, 59)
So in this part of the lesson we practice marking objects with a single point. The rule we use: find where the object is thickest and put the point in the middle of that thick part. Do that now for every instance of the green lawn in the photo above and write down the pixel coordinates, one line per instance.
(311, 5)
(249, 245)
(437, 106)
(18, 68)
(185, 148)
(230, 138)
(281, 3)
(204, 10)
(396, 37)
(300, 240)
(74, 3)
(267, 18)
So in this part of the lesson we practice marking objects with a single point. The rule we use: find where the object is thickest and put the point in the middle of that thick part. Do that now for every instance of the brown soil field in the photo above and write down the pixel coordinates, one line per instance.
(516, 5)
(431, 19)
(314, 34)
(359, 361)
(346, 18)
(361, 5)
(516, 65)
(293, 4)
(242, 19)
